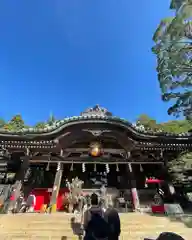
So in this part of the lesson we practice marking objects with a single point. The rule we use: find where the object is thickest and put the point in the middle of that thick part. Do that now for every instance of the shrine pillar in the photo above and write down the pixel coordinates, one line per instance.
(134, 192)
(17, 187)
(56, 187)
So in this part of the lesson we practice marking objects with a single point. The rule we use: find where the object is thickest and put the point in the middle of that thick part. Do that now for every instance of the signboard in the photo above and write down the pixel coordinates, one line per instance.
(173, 209)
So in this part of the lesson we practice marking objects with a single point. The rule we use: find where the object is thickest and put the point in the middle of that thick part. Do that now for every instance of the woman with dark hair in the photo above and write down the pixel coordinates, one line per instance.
(168, 236)
(113, 219)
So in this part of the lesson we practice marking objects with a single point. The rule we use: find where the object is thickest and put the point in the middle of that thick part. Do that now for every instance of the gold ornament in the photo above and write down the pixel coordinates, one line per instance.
(95, 149)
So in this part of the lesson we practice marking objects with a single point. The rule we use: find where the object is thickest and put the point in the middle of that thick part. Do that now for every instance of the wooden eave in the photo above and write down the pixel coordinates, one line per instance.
(88, 160)
(46, 138)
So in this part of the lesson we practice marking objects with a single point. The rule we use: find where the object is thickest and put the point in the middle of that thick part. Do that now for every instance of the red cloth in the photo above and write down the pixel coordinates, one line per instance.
(151, 180)
(158, 209)
(12, 198)
(43, 196)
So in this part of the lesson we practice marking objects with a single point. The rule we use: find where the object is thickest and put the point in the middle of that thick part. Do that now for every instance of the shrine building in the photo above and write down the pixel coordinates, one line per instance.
(96, 146)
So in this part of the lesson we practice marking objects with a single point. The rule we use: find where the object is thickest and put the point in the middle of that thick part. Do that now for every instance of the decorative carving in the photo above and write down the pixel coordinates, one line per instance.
(74, 197)
(96, 133)
(96, 110)
(4, 153)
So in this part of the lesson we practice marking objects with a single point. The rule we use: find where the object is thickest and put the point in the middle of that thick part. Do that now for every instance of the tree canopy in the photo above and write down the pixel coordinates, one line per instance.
(173, 49)
(174, 126)
(180, 169)
(15, 123)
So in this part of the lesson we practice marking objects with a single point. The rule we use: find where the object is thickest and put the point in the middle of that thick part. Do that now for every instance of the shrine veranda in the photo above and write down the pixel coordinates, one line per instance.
(96, 146)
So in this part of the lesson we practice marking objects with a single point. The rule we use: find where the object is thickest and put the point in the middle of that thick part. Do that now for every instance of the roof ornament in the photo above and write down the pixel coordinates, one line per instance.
(96, 110)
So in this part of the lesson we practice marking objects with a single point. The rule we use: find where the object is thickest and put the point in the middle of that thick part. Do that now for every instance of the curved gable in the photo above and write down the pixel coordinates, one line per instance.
(92, 115)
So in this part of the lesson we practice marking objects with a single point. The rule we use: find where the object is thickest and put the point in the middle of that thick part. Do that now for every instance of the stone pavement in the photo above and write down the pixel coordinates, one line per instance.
(135, 226)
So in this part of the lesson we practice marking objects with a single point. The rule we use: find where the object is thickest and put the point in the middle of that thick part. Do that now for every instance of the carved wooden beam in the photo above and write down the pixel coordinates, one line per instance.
(107, 150)
(96, 132)
(95, 162)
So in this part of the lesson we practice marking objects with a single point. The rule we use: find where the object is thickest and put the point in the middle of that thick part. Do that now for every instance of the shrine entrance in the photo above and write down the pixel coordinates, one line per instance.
(116, 178)
(96, 175)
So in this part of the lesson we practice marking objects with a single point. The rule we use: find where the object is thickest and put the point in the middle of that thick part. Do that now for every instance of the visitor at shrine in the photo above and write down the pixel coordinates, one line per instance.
(12, 205)
(94, 223)
(31, 202)
(87, 203)
(113, 219)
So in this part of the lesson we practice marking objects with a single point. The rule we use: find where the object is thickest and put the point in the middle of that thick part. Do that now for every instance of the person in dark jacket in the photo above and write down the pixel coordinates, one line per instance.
(94, 223)
(113, 219)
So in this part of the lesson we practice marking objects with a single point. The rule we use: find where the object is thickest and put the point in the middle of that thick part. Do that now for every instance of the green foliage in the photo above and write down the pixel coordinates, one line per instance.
(40, 125)
(176, 4)
(16, 123)
(147, 122)
(158, 35)
(177, 126)
(173, 49)
(181, 169)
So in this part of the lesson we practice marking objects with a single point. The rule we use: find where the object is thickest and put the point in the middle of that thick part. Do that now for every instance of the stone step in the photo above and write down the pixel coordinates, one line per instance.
(45, 226)
(37, 237)
(68, 227)
(124, 235)
(56, 234)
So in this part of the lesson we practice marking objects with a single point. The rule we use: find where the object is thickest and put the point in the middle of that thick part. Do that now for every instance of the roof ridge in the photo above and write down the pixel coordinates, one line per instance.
(93, 117)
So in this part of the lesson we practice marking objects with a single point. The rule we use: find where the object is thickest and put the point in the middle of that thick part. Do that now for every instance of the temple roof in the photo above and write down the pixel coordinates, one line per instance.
(96, 114)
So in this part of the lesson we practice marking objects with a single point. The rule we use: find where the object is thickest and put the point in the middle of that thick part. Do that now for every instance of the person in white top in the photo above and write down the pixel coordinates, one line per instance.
(31, 202)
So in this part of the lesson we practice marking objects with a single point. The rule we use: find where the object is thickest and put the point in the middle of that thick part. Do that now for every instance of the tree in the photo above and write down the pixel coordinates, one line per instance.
(173, 48)
(177, 126)
(181, 169)
(16, 123)
(147, 122)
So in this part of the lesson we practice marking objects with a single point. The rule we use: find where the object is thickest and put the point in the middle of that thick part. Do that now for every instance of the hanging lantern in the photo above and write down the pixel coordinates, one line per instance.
(95, 167)
(171, 189)
(58, 166)
(71, 168)
(161, 154)
(83, 167)
(107, 168)
(141, 168)
(47, 168)
(117, 167)
(95, 149)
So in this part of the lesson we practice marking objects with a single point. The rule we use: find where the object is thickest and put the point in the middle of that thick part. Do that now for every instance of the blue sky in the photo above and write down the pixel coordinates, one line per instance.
(63, 56)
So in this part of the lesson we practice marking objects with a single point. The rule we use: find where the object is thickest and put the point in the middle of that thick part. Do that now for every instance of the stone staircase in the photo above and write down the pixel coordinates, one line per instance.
(135, 226)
